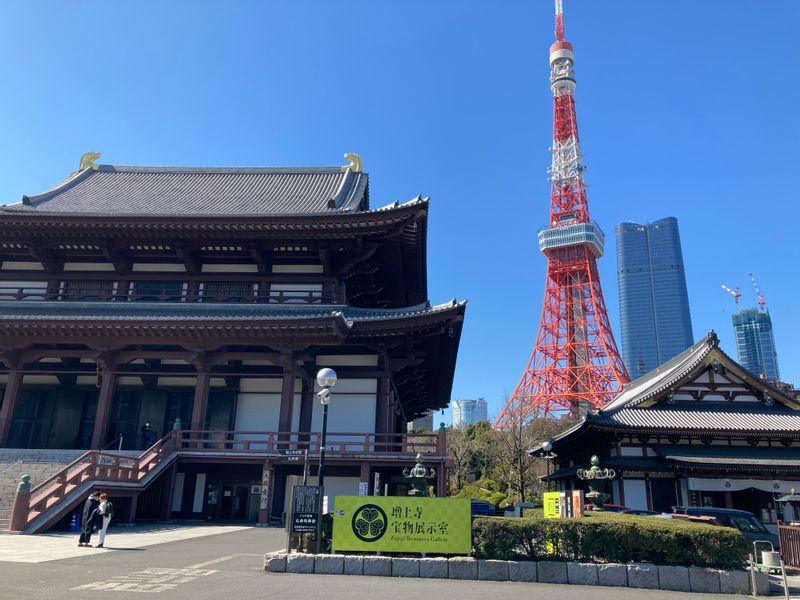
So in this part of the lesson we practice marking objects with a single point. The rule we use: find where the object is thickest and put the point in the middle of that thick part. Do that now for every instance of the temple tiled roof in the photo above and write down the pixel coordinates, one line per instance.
(151, 312)
(703, 416)
(645, 405)
(201, 191)
(660, 379)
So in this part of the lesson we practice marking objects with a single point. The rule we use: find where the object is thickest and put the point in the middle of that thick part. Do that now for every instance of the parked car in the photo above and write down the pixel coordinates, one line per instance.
(746, 522)
(484, 508)
(609, 508)
(696, 519)
(642, 513)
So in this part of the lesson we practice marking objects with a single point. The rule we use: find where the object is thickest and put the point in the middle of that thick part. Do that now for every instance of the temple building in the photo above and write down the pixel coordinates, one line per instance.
(700, 430)
(187, 311)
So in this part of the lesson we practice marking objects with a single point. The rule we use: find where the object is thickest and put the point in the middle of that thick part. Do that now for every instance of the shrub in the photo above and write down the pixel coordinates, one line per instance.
(609, 537)
(479, 493)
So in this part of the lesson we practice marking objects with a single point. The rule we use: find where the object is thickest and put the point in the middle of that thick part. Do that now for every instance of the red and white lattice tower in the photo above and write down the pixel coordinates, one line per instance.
(575, 365)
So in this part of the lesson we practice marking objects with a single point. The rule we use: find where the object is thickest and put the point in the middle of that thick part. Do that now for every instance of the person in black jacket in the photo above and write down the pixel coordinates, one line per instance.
(91, 516)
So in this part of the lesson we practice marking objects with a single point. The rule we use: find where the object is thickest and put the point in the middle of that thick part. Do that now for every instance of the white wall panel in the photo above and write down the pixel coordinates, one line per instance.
(635, 493)
(177, 497)
(199, 493)
(351, 409)
(257, 412)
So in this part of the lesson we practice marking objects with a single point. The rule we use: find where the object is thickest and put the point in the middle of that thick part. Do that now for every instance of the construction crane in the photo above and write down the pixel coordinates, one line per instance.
(759, 296)
(733, 292)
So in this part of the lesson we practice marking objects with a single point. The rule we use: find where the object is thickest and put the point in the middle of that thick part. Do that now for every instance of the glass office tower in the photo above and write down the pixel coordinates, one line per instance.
(653, 302)
(469, 411)
(755, 343)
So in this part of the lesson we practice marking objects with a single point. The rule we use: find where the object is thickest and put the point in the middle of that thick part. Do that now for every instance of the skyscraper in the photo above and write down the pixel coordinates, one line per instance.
(469, 411)
(755, 344)
(653, 303)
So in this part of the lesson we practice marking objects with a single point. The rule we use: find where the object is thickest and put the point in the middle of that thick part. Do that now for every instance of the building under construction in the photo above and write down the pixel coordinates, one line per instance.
(755, 343)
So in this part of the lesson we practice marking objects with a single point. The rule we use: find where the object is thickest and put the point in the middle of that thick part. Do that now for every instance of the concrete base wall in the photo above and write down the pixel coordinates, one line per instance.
(641, 575)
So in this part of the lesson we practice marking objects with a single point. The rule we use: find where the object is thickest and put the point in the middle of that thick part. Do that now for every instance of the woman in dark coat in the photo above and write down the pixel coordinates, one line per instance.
(91, 516)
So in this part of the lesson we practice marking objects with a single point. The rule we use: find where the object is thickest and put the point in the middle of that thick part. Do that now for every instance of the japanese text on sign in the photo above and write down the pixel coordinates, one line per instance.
(398, 524)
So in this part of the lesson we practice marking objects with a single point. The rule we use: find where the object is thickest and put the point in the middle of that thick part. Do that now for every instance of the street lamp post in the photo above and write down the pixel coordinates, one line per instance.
(326, 379)
(547, 454)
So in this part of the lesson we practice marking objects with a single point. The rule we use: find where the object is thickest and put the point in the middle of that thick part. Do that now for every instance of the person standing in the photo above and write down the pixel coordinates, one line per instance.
(147, 432)
(90, 519)
(106, 510)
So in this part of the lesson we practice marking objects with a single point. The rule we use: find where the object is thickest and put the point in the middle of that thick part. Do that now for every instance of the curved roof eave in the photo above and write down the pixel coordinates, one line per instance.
(332, 215)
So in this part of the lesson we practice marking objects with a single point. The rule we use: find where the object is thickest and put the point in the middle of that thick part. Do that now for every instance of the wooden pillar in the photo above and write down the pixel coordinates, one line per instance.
(441, 442)
(200, 405)
(10, 395)
(441, 480)
(132, 513)
(265, 502)
(104, 399)
(306, 404)
(167, 491)
(287, 393)
(365, 479)
(383, 410)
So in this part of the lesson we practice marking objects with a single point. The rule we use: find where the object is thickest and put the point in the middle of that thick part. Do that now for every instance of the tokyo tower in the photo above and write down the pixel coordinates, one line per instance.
(575, 365)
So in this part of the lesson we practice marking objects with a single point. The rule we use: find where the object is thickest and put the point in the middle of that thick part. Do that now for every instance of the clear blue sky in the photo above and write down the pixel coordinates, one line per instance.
(686, 108)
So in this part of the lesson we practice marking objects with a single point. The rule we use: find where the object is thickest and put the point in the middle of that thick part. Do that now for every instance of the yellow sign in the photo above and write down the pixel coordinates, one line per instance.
(402, 524)
(552, 505)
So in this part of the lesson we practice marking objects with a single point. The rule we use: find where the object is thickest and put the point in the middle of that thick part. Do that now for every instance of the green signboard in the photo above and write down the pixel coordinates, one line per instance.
(402, 524)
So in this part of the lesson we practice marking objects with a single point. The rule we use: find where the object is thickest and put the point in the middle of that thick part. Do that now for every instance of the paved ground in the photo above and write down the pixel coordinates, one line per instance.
(221, 563)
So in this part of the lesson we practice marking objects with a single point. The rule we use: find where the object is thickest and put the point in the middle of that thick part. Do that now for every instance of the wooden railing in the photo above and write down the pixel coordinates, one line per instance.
(111, 468)
(789, 537)
(336, 443)
(97, 465)
(285, 295)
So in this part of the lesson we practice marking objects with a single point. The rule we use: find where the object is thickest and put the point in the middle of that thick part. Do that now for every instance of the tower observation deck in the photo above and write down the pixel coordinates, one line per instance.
(575, 365)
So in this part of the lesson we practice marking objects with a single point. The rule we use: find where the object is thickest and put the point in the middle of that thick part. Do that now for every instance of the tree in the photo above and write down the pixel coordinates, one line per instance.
(473, 452)
(516, 467)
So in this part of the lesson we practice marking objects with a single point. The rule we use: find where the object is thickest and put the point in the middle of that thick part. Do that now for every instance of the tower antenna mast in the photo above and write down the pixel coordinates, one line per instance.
(559, 21)
(575, 365)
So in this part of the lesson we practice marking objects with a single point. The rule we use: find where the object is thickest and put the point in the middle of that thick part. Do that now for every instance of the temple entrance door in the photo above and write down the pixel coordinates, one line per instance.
(749, 500)
(663, 494)
(233, 503)
(33, 418)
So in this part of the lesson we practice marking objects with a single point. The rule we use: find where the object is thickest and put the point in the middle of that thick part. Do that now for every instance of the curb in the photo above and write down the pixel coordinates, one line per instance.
(632, 575)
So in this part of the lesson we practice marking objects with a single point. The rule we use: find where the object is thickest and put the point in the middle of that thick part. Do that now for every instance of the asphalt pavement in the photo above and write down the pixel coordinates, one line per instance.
(205, 563)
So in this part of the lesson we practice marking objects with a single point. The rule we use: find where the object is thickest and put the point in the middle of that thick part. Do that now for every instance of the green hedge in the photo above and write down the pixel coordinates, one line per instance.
(609, 537)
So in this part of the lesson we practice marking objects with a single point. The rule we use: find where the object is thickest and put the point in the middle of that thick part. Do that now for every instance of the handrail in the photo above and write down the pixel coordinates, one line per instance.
(342, 443)
(99, 465)
(285, 295)
(117, 441)
(7, 467)
(96, 464)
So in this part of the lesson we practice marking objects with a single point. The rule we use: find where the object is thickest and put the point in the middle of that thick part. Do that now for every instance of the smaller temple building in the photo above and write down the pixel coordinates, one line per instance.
(700, 430)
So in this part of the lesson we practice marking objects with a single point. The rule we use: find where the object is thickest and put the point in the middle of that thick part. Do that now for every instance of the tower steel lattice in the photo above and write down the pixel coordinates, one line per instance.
(575, 364)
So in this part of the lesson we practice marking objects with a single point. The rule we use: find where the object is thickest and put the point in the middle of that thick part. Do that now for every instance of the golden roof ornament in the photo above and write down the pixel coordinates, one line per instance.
(87, 161)
(355, 162)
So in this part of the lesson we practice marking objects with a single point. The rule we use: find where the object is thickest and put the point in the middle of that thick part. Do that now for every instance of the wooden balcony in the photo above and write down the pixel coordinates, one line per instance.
(57, 494)
(388, 445)
(285, 295)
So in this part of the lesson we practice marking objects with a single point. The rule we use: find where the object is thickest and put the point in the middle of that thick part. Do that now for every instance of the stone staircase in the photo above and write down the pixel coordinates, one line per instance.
(39, 464)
